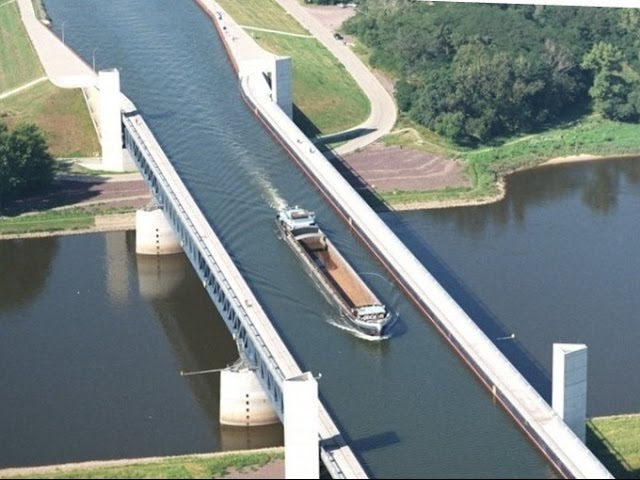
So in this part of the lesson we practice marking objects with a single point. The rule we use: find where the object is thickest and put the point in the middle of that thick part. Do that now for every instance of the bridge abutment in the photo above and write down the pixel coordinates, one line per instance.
(243, 401)
(154, 234)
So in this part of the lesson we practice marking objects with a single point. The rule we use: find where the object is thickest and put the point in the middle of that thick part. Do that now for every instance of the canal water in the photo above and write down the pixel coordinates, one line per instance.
(407, 405)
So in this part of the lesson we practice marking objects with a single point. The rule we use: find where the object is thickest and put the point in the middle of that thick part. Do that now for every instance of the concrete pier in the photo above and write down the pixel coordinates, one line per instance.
(301, 427)
(154, 234)
(243, 402)
(110, 122)
(569, 391)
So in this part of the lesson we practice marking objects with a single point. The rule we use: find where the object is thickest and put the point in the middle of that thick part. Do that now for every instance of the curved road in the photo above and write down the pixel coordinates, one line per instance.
(383, 108)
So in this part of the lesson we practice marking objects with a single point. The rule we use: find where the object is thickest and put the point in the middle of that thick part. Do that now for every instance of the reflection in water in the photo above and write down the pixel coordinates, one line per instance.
(87, 363)
(160, 275)
(24, 265)
(598, 182)
(199, 337)
(242, 438)
(117, 270)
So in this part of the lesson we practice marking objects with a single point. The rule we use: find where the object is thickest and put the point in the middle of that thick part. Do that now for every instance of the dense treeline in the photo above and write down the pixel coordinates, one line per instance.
(25, 163)
(475, 72)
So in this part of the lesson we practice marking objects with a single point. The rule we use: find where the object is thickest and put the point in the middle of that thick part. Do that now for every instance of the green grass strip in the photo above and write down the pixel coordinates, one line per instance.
(19, 63)
(322, 88)
(172, 467)
(53, 221)
(262, 14)
(616, 442)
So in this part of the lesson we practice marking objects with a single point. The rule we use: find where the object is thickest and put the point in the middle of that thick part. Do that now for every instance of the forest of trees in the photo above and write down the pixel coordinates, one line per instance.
(474, 72)
(25, 163)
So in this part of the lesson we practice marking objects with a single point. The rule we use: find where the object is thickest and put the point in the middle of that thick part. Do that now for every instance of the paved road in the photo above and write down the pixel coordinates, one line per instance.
(383, 108)
(64, 68)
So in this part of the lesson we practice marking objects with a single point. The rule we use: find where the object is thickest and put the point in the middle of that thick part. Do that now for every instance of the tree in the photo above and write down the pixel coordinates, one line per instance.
(614, 96)
(26, 165)
(603, 56)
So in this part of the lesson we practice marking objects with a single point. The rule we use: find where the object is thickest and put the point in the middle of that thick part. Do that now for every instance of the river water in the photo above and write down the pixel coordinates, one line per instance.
(407, 405)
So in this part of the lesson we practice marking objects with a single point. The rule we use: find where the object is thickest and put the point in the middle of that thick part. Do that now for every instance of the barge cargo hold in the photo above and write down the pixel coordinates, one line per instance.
(357, 303)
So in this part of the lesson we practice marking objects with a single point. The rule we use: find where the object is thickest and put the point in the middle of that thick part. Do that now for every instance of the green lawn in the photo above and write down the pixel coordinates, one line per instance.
(616, 442)
(262, 14)
(175, 467)
(322, 88)
(61, 114)
(53, 221)
(19, 63)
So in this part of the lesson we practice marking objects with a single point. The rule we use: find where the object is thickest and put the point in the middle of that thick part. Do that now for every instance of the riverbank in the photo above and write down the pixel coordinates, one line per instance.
(261, 463)
(501, 184)
(77, 204)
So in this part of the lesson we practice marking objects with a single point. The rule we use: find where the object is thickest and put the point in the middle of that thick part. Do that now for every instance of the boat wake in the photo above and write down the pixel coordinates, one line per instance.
(270, 191)
(342, 325)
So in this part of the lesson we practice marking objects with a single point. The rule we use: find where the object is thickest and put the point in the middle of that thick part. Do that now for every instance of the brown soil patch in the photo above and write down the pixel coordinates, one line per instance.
(81, 191)
(387, 169)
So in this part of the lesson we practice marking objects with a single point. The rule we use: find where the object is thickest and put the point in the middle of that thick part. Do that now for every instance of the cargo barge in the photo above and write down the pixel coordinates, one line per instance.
(357, 303)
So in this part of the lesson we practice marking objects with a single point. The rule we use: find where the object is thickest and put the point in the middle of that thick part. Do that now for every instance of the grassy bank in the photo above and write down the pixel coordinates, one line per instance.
(487, 165)
(262, 14)
(188, 466)
(19, 63)
(328, 98)
(61, 114)
(322, 89)
(616, 442)
(67, 219)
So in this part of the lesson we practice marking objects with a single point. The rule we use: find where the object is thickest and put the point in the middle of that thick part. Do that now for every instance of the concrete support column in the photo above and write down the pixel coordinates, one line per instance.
(154, 235)
(110, 120)
(243, 402)
(569, 390)
(281, 84)
(301, 422)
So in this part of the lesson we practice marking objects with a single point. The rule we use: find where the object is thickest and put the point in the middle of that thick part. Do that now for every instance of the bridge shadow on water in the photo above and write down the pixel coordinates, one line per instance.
(480, 313)
(535, 373)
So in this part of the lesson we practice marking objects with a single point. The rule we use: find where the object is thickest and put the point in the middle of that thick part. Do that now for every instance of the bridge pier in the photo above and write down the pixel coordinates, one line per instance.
(301, 423)
(281, 84)
(154, 234)
(110, 121)
(569, 386)
(243, 401)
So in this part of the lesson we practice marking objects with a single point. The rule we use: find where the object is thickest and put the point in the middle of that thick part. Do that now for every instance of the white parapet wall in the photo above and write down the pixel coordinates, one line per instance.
(301, 423)
(154, 235)
(110, 120)
(569, 391)
(243, 402)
